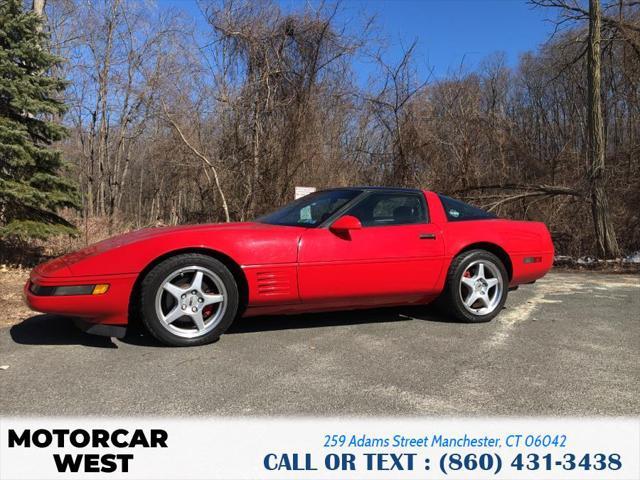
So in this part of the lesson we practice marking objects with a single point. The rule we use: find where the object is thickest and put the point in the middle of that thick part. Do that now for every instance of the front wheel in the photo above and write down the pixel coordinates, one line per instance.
(477, 286)
(189, 299)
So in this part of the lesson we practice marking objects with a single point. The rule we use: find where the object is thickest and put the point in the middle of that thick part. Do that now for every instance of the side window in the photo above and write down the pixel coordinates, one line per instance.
(318, 212)
(458, 211)
(390, 209)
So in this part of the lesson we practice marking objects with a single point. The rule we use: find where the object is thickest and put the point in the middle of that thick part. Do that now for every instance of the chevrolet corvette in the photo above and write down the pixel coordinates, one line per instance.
(337, 249)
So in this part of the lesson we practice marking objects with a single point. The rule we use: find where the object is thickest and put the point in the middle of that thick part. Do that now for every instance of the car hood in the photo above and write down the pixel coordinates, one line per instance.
(66, 264)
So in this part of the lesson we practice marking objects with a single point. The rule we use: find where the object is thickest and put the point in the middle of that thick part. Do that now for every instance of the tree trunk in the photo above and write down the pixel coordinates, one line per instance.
(605, 235)
(37, 6)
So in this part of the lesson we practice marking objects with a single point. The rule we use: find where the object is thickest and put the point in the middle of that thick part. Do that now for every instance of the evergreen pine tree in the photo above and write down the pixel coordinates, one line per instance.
(31, 189)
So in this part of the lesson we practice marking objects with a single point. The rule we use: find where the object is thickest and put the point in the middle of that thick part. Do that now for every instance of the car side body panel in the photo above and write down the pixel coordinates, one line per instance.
(372, 264)
(120, 260)
(519, 240)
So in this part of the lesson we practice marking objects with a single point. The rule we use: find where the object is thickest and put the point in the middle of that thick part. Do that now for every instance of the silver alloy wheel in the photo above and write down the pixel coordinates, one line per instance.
(191, 301)
(481, 287)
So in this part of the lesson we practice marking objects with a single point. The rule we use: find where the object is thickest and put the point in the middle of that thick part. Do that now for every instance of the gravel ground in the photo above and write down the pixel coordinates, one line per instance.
(11, 303)
(568, 345)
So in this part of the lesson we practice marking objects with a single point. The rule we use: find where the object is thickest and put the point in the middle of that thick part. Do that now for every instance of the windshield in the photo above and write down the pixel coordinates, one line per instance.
(310, 210)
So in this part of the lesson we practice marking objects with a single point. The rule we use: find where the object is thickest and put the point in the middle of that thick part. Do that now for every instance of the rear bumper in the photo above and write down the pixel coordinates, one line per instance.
(526, 272)
(110, 308)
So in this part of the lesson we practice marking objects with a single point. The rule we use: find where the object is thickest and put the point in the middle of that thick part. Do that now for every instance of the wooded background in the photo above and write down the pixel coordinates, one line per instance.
(170, 122)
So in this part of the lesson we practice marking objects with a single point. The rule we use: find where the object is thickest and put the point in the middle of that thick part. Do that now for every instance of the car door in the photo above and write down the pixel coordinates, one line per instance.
(395, 257)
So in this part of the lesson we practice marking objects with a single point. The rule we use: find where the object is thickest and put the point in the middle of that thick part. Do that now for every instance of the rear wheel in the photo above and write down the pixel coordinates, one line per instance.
(477, 286)
(189, 299)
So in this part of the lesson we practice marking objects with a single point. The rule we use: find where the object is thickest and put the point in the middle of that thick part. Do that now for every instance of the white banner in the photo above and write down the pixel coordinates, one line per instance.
(305, 448)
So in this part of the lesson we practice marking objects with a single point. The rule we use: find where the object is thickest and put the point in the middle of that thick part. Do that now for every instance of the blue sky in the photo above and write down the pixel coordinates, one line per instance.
(449, 32)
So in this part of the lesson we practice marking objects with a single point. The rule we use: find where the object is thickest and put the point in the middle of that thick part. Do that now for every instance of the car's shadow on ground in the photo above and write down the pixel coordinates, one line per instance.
(137, 336)
(55, 330)
(333, 319)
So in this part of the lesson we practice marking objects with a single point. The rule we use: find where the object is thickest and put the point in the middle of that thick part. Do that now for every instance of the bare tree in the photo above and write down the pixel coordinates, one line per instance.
(391, 108)
(173, 122)
(607, 244)
(605, 234)
(209, 164)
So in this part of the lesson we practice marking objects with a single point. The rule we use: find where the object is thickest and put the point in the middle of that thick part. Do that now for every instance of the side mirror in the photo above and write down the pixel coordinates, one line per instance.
(345, 224)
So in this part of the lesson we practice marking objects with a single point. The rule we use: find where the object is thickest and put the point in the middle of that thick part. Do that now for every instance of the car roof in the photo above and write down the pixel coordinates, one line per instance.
(373, 188)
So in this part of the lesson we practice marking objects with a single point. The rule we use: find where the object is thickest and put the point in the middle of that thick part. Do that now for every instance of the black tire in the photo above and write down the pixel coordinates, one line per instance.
(154, 281)
(451, 301)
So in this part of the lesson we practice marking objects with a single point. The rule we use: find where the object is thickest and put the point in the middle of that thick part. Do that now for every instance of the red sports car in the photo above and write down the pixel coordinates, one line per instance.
(337, 249)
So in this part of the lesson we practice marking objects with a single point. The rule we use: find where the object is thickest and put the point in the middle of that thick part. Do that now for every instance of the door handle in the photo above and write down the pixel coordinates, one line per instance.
(427, 236)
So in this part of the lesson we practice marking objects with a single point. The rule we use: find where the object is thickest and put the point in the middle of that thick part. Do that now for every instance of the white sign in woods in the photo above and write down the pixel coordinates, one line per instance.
(302, 191)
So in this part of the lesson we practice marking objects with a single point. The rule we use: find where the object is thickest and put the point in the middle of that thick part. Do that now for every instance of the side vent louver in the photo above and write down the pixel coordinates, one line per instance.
(273, 283)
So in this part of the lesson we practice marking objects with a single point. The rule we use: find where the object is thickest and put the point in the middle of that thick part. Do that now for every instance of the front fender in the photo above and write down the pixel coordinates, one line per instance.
(245, 247)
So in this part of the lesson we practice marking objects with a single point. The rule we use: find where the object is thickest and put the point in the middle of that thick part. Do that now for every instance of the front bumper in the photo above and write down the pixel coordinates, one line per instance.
(110, 308)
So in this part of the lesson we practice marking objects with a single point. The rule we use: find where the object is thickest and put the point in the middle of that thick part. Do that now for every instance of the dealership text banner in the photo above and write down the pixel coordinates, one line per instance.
(307, 448)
